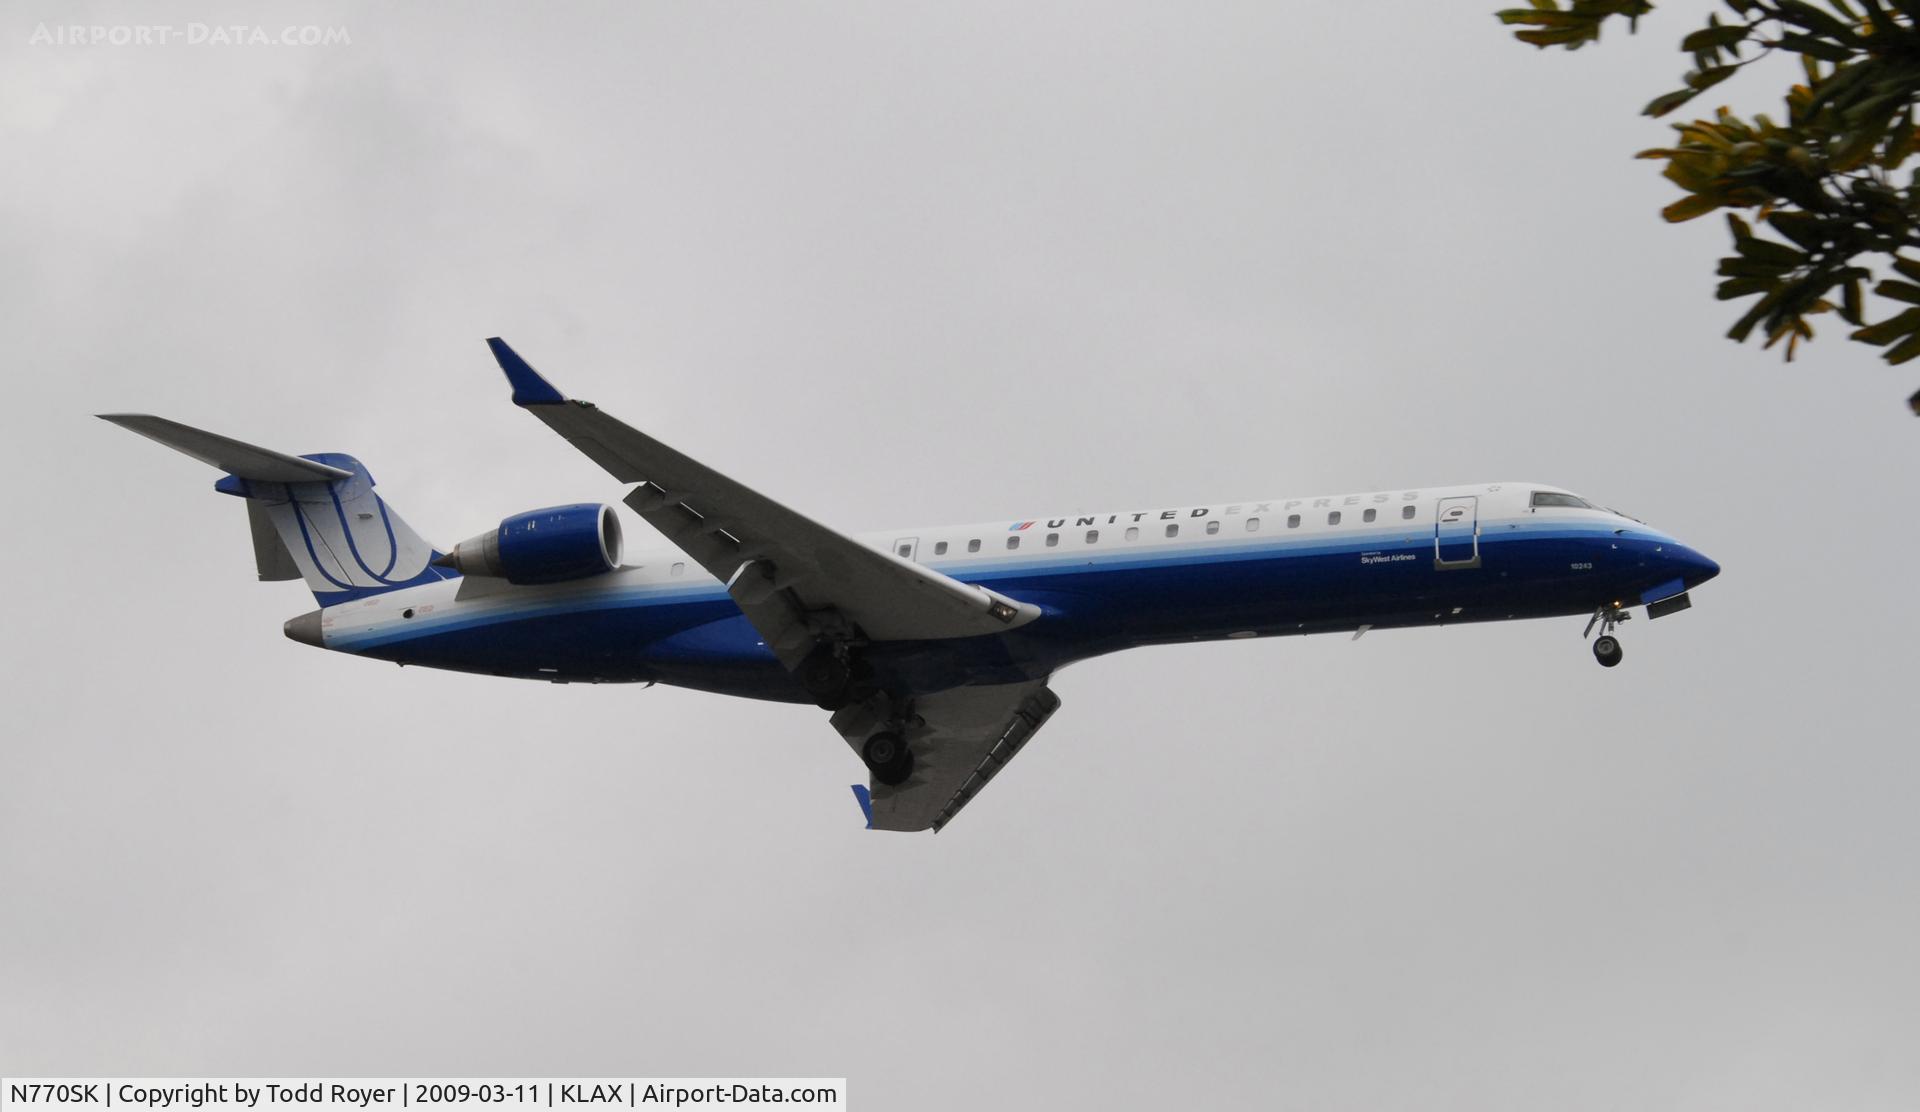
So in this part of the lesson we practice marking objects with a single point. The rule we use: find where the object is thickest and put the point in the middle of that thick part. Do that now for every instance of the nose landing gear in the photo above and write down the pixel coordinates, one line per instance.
(1606, 648)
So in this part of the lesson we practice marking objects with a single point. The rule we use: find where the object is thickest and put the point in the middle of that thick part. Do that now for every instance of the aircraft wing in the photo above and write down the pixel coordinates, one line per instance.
(794, 578)
(960, 739)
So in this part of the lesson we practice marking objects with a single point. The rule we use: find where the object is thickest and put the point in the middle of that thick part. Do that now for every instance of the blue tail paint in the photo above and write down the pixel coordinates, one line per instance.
(338, 535)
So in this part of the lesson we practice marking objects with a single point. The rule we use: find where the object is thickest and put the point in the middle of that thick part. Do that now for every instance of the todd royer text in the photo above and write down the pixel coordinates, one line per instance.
(252, 1096)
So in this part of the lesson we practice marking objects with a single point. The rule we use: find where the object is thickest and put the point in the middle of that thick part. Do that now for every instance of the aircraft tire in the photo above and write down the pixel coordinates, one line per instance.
(1607, 651)
(897, 772)
(825, 674)
(886, 753)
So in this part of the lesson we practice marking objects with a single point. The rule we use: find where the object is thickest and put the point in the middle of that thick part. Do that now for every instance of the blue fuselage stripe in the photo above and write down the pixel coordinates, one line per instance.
(623, 629)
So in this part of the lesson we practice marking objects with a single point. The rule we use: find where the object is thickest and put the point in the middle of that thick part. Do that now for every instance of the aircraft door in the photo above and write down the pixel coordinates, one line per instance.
(907, 548)
(1456, 533)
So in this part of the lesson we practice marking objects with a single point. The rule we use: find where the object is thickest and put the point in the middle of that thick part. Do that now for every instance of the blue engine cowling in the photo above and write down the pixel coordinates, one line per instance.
(544, 546)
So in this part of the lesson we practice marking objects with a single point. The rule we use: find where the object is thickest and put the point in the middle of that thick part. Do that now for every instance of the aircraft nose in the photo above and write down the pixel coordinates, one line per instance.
(1694, 566)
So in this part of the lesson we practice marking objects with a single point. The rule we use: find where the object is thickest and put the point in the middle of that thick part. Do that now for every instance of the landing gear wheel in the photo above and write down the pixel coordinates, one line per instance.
(825, 674)
(1606, 647)
(886, 753)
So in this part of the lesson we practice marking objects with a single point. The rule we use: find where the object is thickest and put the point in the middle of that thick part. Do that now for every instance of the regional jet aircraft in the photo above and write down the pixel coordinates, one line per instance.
(930, 647)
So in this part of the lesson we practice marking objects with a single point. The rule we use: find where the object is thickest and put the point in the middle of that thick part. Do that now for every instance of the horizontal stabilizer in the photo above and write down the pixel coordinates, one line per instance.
(229, 455)
(315, 518)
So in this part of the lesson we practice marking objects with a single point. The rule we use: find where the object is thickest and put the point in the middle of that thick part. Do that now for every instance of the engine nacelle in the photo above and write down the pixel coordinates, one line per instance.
(543, 546)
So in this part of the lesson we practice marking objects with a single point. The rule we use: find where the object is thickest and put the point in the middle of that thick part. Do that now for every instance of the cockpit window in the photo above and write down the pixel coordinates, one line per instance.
(1555, 498)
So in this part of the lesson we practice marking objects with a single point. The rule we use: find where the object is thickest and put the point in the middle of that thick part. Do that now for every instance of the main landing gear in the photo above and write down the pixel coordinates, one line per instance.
(1606, 647)
(839, 680)
(886, 753)
(825, 673)
(834, 677)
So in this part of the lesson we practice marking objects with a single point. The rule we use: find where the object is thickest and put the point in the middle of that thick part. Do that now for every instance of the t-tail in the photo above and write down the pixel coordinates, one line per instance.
(313, 517)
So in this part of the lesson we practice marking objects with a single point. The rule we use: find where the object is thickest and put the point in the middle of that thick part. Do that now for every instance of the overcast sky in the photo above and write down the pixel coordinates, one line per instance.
(896, 264)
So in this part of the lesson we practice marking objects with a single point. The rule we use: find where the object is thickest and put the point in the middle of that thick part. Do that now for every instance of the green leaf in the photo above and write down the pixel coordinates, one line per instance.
(1899, 291)
(1791, 329)
(1805, 229)
(1714, 38)
(1881, 106)
(1702, 80)
(1687, 208)
(1744, 326)
(1665, 103)
(1903, 351)
(1899, 142)
(1891, 329)
(1815, 48)
(1877, 16)
(1838, 85)
(1819, 22)
(1548, 18)
(1736, 267)
(1742, 287)
(1850, 302)
(1777, 254)
(1570, 37)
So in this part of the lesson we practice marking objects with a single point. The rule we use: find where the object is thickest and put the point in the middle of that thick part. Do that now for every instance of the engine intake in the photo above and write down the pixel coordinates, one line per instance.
(543, 546)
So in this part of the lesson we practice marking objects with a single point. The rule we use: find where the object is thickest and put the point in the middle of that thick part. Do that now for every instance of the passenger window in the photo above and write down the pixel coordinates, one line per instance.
(906, 550)
(678, 569)
(1173, 530)
(1133, 532)
(1093, 535)
(1253, 525)
(940, 548)
(1293, 521)
(1212, 528)
(1013, 542)
(1406, 513)
(1053, 540)
(973, 546)
(1333, 517)
(1369, 515)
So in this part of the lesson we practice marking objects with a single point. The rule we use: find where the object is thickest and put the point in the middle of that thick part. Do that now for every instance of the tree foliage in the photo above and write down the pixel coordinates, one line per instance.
(1820, 188)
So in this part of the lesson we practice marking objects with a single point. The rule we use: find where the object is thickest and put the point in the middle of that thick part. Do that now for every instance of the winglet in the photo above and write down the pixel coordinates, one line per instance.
(865, 797)
(528, 387)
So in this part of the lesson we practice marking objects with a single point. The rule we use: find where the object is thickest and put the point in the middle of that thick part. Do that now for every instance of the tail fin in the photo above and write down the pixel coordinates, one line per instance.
(313, 517)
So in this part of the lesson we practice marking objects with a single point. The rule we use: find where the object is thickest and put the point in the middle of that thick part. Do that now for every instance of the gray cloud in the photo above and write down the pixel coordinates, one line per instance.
(900, 264)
